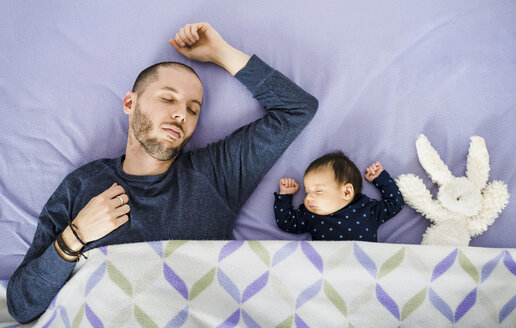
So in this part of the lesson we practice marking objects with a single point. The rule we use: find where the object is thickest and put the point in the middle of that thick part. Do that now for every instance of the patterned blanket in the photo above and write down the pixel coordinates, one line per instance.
(285, 284)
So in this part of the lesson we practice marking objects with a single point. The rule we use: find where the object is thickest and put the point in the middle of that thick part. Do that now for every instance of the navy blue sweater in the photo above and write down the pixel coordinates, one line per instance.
(358, 220)
(199, 197)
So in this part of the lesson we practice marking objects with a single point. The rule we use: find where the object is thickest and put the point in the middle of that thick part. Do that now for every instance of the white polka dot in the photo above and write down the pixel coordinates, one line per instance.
(360, 236)
(339, 222)
(349, 229)
(293, 216)
(281, 210)
(322, 222)
(364, 215)
(340, 236)
(366, 229)
(295, 225)
(358, 222)
(322, 236)
(275, 206)
(279, 197)
(303, 222)
(331, 229)
(354, 210)
(285, 221)
(347, 217)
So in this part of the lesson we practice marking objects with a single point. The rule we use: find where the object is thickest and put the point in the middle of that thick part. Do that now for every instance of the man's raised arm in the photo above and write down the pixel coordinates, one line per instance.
(236, 164)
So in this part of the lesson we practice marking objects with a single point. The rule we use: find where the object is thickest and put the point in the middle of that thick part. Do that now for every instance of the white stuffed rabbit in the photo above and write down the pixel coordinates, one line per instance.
(465, 206)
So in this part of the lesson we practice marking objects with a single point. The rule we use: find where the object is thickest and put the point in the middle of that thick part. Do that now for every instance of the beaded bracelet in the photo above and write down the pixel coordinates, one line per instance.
(72, 226)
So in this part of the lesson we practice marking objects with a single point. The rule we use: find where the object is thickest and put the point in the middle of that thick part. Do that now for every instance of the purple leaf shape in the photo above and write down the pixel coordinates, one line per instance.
(229, 248)
(440, 305)
(284, 252)
(509, 263)
(53, 303)
(255, 287)
(64, 316)
(157, 247)
(249, 322)
(232, 321)
(228, 285)
(175, 281)
(444, 265)
(466, 304)
(312, 255)
(300, 323)
(92, 318)
(489, 267)
(507, 309)
(387, 301)
(95, 278)
(103, 249)
(46, 325)
(179, 320)
(365, 260)
(308, 293)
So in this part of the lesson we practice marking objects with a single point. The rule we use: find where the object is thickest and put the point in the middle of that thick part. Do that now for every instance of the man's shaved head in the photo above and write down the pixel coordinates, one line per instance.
(150, 74)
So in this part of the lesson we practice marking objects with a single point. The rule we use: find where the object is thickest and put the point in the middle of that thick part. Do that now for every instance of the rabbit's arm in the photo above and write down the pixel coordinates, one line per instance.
(494, 199)
(418, 197)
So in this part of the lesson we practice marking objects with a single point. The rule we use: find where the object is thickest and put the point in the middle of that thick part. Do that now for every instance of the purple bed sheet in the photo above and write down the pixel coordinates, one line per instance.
(383, 71)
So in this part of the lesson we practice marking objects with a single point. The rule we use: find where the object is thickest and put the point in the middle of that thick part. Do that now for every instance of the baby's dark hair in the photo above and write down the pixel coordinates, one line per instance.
(344, 169)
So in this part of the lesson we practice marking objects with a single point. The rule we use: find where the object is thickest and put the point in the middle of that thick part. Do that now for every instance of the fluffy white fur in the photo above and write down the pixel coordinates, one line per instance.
(465, 206)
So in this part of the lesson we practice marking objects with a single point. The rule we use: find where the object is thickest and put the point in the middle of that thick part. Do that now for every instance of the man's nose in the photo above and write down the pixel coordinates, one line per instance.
(179, 115)
(309, 197)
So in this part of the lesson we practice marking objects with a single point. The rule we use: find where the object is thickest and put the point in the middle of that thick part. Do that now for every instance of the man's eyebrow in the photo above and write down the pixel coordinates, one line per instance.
(175, 91)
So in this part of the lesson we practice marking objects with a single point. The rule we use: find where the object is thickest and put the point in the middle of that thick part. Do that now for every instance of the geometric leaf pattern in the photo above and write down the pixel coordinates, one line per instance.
(286, 284)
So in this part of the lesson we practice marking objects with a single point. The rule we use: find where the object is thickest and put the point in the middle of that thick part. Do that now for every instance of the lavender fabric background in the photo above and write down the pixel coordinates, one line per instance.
(383, 71)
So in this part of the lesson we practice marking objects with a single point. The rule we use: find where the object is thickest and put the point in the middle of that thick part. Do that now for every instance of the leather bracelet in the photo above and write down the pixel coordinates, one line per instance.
(66, 249)
(72, 226)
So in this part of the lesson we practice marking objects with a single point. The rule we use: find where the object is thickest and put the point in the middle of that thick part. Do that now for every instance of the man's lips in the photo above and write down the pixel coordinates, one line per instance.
(173, 132)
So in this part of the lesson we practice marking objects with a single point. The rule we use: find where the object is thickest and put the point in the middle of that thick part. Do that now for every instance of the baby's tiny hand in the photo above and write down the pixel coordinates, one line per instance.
(288, 186)
(373, 171)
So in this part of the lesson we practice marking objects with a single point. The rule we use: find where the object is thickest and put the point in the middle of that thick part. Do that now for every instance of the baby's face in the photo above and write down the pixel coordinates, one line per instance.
(323, 195)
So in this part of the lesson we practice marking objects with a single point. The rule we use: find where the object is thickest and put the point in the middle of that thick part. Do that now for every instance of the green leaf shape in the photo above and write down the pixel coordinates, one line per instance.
(488, 305)
(351, 326)
(339, 257)
(143, 319)
(363, 298)
(202, 283)
(119, 279)
(260, 251)
(413, 303)
(335, 298)
(391, 263)
(287, 323)
(173, 245)
(78, 318)
(466, 264)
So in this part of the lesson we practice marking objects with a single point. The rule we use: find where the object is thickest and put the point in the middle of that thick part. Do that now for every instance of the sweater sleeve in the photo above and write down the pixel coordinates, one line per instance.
(392, 202)
(289, 219)
(42, 272)
(236, 164)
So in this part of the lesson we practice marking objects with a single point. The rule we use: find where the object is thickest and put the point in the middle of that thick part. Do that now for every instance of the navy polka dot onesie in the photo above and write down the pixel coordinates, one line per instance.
(359, 220)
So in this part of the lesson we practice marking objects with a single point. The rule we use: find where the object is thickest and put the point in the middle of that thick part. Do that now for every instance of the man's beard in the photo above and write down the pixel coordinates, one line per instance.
(142, 126)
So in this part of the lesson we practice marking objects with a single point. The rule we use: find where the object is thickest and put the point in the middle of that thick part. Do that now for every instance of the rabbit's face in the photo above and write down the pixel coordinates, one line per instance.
(460, 196)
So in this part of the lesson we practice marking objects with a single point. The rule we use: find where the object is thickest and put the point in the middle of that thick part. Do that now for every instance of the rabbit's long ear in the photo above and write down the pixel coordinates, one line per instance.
(431, 161)
(477, 169)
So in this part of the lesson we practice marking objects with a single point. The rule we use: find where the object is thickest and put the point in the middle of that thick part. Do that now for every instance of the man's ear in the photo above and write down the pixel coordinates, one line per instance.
(130, 102)
(347, 191)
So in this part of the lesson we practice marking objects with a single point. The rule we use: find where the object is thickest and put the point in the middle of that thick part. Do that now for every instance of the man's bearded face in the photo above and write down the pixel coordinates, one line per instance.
(143, 126)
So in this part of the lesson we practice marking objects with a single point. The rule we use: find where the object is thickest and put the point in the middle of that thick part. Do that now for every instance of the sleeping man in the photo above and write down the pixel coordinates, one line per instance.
(155, 191)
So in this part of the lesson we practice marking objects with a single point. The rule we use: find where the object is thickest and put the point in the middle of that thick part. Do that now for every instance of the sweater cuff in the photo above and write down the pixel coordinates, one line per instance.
(382, 178)
(254, 73)
(53, 268)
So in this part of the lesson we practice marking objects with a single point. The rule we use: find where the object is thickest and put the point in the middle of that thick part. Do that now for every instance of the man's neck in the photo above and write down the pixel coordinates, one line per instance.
(138, 162)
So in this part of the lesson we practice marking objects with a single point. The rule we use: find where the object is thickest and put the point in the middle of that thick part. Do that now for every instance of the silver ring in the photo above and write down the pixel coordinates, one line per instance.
(121, 200)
